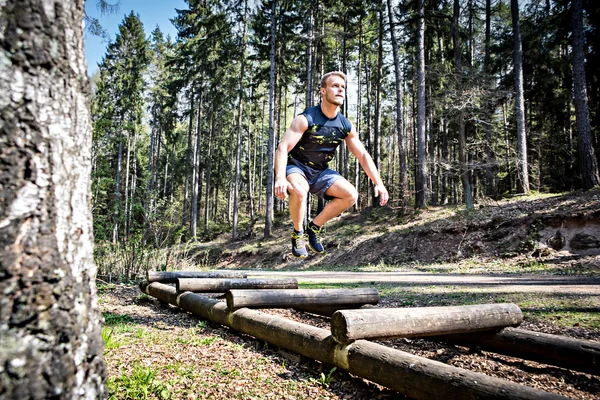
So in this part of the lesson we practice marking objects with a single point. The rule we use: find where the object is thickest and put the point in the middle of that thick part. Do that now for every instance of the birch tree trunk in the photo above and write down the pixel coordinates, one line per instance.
(50, 339)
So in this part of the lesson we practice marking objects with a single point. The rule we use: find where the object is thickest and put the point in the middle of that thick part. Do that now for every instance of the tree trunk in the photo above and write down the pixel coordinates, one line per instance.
(403, 183)
(271, 143)
(50, 339)
(126, 191)
(117, 205)
(238, 152)
(196, 182)
(522, 169)
(377, 122)
(587, 157)
(490, 167)
(208, 170)
(460, 118)
(421, 178)
(189, 151)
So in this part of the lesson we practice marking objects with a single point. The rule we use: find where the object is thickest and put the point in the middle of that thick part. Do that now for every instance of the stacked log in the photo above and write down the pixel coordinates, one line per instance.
(210, 285)
(294, 298)
(388, 323)
(171, 277)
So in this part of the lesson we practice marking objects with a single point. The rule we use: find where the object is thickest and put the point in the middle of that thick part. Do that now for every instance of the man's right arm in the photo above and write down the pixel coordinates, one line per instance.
(289, 140)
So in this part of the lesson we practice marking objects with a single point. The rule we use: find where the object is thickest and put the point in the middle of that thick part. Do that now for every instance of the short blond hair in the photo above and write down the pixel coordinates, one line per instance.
(332, 73)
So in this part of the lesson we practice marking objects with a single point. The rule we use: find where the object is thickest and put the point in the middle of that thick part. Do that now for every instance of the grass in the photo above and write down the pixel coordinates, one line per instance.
(140, 383)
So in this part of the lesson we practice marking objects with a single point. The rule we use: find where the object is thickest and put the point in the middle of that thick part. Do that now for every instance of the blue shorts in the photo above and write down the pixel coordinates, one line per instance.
(318, 180)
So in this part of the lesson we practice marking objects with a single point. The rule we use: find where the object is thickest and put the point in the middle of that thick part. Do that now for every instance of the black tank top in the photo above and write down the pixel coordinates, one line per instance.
(319, 142)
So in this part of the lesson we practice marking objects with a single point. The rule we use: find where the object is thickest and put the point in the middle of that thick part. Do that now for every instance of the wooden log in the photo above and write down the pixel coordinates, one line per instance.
(328, 311)
(561, 351)
(412, 376)
(171, 277)
(387, 323)
(291, 298)
(161, 291)
(209, 285)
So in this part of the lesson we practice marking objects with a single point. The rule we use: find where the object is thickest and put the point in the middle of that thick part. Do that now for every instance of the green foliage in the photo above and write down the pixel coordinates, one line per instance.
(325, 380)
(140, 383)
(116, 319)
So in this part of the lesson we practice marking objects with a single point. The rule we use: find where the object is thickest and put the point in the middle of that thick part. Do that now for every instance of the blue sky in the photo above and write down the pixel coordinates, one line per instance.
(151, 12)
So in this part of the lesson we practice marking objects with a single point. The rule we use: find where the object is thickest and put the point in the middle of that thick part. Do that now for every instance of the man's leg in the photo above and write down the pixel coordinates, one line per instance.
(298, 198)
(344, 194)
(297, 212)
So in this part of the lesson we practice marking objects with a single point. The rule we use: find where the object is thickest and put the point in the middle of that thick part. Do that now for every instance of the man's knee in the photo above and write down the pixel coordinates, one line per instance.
(299, 190)
(352, 196)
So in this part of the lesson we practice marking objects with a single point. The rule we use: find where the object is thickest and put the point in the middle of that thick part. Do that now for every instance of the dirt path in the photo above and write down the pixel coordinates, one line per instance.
(498, 283)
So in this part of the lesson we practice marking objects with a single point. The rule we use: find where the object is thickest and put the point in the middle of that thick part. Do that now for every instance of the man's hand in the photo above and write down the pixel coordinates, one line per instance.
(381, 192)
(281, 188)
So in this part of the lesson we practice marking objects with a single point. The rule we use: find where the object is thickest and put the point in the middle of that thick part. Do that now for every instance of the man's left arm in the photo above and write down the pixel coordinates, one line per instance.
(366, 162)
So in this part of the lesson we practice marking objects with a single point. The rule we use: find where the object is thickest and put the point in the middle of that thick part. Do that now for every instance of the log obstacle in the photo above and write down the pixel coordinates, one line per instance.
(413, 376)
(328, 311)
(388, 323)
(171, 277)
(209, 285)
(291, 298)
(562, 351)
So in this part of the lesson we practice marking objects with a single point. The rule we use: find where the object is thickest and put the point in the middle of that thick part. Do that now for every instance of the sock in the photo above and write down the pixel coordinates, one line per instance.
(298, 232)
(311, 224)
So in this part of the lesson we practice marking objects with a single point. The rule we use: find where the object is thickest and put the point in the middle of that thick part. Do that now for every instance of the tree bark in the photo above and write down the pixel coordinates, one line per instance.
(50, 339)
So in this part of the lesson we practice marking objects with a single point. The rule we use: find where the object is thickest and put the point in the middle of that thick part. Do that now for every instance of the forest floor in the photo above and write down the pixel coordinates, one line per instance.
(541, 253)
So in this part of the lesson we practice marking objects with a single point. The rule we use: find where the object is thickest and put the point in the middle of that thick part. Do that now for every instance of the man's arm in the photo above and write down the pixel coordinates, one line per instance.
(290, 138)
(366, 162)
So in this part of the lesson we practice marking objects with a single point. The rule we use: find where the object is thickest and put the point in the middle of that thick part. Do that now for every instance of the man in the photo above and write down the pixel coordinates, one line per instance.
(301, 164)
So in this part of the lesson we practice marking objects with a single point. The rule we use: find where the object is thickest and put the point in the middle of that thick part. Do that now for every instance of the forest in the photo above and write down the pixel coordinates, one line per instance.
(457, 101)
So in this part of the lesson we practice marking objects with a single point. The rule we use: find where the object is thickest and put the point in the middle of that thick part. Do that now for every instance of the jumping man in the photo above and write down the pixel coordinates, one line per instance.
(302, 158)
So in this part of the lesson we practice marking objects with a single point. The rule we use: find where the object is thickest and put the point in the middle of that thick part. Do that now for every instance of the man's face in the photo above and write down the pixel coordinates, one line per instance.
(335, 90)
